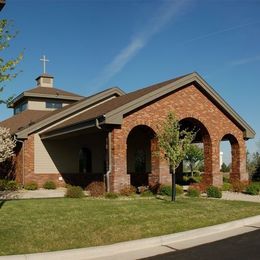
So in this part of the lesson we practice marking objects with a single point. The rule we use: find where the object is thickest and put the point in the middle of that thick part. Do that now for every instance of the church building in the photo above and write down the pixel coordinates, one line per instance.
(110, 137)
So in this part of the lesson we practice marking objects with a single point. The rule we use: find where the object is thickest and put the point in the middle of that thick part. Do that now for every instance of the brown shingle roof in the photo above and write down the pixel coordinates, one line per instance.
(108, 106)
(51, 91)
(23, 120)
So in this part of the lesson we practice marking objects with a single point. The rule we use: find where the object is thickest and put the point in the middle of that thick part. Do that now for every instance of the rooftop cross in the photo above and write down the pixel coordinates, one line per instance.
(44, 63)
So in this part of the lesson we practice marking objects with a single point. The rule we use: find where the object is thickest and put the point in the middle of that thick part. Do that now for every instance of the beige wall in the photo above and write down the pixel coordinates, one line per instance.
(40, 105)
(62, 156)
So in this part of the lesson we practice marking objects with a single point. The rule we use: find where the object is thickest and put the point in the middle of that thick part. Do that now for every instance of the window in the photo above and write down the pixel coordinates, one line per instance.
(53, 104)
(85, 161)
(20, 108)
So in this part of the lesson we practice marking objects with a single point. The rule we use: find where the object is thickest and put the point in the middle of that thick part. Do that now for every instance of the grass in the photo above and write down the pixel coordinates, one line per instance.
(29, 226)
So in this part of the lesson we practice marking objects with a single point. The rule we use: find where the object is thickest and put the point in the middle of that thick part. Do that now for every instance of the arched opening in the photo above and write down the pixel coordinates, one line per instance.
(139, 155)
(230, 163)
(85, 161)
(193, 171)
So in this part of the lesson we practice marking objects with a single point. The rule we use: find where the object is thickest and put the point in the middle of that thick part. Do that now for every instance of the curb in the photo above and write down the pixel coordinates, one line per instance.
(123, 247)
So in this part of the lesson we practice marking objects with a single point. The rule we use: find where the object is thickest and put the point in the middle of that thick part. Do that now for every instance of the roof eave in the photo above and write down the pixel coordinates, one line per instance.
(116, 116)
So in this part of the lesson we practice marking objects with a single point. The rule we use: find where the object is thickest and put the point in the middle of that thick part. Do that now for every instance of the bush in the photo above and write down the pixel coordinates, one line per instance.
(49, 185)
(226, 186)
(147, 193)
(127, 190)
(8, 185)
(166, 190)
(31, 186)
(154, 188)
(193, 192)
(3, 184)
(96, 188)
(253, 189)
(12, 185)
(214, 192)
(74, 192)
(111, 195)
(238, 186)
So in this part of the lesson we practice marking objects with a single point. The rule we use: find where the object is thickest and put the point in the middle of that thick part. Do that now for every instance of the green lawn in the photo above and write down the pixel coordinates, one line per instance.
(28, 226)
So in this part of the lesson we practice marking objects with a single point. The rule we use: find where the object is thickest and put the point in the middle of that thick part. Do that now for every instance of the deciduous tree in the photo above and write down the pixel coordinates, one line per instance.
(174, 144)
(7, 144)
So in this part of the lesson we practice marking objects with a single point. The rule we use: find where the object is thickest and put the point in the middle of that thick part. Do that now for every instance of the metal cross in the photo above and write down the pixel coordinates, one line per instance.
(44, 63)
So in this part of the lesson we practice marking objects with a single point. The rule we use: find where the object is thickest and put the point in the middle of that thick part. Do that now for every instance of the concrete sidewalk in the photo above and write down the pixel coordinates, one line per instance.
(150, 246)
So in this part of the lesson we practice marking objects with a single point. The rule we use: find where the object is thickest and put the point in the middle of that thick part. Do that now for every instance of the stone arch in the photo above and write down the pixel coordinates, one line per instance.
(235, 156)
(142, 163)
(202, 136)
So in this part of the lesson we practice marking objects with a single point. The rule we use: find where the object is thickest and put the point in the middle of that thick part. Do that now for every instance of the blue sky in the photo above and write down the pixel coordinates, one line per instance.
(93, 45)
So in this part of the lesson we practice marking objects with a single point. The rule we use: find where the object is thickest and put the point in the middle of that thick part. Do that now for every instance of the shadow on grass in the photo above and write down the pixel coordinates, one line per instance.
(2, 202)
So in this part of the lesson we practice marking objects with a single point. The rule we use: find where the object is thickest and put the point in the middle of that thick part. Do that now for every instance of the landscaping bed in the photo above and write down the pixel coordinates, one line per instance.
(29, 226)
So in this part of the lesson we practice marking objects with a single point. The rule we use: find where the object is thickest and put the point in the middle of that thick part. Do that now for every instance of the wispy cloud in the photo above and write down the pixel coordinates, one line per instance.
(168, 11)
(211, 34)
(245, 61)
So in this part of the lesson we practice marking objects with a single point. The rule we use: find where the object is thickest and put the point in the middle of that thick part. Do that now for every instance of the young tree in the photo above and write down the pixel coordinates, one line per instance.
(173, 144)
(7, 144)
(193, 156)
(224, 168)
(7, 67)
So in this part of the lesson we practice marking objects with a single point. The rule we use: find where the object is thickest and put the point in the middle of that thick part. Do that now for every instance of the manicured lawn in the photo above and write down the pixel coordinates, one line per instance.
(28, 226)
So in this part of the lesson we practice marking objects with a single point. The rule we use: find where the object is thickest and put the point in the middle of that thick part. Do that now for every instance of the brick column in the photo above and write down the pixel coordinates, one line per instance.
(238, 154)
(119, 177)
(155, 162)
(212, 174)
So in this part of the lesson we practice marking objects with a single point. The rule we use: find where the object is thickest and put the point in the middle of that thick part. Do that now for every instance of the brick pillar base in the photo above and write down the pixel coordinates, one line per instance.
(118, 181)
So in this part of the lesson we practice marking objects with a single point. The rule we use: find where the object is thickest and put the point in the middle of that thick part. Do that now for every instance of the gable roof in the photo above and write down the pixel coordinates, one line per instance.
(22, 128)
(112, 112)
(110, 106)
(24, 119)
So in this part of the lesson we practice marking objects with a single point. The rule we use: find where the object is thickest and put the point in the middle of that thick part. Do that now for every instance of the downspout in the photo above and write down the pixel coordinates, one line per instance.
(22, 142)
(109, 163)
(109, 168)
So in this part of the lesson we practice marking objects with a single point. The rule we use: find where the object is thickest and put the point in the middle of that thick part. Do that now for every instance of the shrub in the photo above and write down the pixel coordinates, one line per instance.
(193, 192)
(96, 188)
(214, 192)
(74, 192)
(49, 185)
(12, 185)
(31, 186)
(253, 189)
(154, 188)
(166, 190)
(127, 190)
(3, 184)
(202, 187)
(111, 195)
(238, 186)
(226, 186)
(147, 193)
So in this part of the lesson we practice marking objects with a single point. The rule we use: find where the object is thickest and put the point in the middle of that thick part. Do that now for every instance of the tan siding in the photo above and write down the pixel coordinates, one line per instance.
(62, 156)
(43, 161)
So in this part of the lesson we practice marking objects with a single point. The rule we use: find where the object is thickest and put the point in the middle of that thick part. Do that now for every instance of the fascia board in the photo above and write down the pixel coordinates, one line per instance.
(74, 109)
(249, 132)
(116, 116)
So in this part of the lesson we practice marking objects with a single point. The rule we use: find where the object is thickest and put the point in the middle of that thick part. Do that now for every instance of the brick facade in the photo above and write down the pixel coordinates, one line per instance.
(188, 102)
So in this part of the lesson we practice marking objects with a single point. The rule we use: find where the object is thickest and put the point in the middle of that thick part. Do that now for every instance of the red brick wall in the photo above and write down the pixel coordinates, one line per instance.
(188, 102)
(28, 166)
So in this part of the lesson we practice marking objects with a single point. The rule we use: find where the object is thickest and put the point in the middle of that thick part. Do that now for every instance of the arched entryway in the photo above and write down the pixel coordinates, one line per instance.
(235, 156)
(139, 155)
(203, 140)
